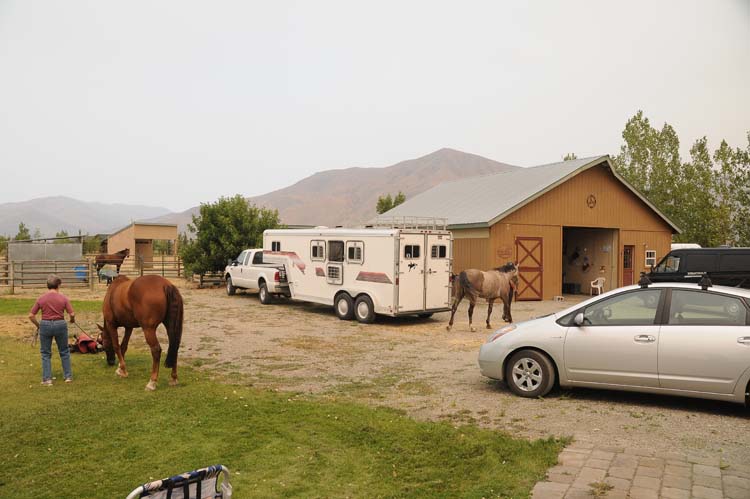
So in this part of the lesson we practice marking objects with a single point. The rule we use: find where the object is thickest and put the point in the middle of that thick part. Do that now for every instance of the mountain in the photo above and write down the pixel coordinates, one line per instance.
(348, 196)
(53, 214)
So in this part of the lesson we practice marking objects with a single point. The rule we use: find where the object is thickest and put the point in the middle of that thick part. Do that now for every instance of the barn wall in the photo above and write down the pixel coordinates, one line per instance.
(121, 240)
(168, 233)
(470, 253)
(644, 240)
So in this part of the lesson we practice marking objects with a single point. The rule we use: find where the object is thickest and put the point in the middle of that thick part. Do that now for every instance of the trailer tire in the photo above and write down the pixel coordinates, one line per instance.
(231, 289)
(343, 305)
(425, 315)
(263, 294)
(364, 310)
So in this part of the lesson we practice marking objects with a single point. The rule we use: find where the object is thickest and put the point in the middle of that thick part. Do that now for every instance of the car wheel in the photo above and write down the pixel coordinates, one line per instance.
(264, 295)
(364, 310)
(230, 287)
(426, 315)
(344, 307)
(530, 374)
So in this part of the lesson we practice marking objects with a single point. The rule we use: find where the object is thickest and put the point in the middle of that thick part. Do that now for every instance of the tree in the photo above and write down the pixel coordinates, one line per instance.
(91, 244)
(569, 156)
(222, 230)
(37, 234)
(23, 233)
(60, 237)
(4, 245)
(387, 202)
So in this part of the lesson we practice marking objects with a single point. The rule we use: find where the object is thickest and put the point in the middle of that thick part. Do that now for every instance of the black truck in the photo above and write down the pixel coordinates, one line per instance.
(725, 266)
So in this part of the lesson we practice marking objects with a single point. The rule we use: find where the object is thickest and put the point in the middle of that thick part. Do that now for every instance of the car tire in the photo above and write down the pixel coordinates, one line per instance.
(231, 289)
(364, 310)
(425, 315)
(343, 305)
(263, 294)
(530, 374)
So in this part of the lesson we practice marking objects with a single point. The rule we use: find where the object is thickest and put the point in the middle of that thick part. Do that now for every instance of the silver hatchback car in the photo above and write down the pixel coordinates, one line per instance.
(669, 338)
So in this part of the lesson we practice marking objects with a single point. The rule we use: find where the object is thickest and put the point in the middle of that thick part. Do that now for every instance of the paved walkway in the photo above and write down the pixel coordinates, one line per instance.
(586, 471)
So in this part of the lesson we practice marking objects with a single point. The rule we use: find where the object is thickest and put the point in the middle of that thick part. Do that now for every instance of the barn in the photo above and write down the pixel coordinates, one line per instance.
(139, 238)
(565, 225)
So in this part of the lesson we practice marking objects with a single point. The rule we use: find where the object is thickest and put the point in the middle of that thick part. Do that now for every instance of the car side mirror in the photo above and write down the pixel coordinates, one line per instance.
(578, 319)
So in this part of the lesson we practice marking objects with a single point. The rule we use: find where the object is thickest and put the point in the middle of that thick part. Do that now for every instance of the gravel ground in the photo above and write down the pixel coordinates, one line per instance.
(417, 366)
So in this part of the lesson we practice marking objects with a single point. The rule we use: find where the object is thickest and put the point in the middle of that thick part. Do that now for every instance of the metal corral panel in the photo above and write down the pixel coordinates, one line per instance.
(22, 252)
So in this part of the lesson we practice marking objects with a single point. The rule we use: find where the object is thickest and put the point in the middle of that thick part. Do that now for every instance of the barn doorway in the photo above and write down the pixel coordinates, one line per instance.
(589, 259)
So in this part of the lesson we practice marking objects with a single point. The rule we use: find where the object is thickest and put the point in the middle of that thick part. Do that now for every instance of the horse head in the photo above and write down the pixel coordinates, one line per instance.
(107, 344)
(126, 252)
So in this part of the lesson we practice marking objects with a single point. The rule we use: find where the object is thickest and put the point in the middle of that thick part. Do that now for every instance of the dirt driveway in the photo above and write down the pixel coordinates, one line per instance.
(417, 366)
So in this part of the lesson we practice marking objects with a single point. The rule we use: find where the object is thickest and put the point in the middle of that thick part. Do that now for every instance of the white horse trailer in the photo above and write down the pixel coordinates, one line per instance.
(364, 272)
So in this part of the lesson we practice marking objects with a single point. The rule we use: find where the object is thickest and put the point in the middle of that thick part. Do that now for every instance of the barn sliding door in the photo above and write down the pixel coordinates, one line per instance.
(529, 259)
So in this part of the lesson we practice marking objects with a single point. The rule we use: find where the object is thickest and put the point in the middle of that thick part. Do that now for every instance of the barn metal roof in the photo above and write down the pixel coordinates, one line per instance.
(483, 201)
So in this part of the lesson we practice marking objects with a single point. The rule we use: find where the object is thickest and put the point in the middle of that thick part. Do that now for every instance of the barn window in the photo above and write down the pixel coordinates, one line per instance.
(439, 251)
(318, 250)
(650, 258)
(276, 246)
(335, 251)
(411, 251)
(355, 252)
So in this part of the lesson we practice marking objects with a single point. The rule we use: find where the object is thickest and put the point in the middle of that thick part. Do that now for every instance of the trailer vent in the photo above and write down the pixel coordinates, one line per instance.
(334, 274)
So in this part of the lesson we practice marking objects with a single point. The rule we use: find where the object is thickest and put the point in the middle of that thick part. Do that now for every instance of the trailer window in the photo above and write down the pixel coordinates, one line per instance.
(335, 251)
(439, 251)
(276, 246)
(318, 250)
(411, 251)
(650, 258)
(355, 251)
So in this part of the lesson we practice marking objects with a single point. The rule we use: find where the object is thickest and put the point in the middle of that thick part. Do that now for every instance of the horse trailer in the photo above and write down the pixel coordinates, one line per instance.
(364, 272)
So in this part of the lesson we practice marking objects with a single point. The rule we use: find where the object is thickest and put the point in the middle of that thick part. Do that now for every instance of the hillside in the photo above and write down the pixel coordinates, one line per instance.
(52, 214)
(348, 196)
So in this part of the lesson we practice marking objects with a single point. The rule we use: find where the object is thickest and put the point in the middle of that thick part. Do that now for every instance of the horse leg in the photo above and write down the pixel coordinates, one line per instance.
(126, 340)
(506, 307)
(121, 371)
(490, 301)
(155, 347)
(456, 301)
(472, 302)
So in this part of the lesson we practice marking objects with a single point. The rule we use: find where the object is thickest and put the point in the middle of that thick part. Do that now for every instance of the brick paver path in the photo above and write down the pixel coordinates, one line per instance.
(586, 471)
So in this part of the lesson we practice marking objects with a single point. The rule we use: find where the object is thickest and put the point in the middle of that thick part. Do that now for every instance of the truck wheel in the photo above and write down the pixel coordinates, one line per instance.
(530, 374)
(344, 307)
(264, 295)
(230, 287)
(364, 310)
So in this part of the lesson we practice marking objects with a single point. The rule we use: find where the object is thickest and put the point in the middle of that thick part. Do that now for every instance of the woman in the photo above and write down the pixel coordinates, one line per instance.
(53, 304)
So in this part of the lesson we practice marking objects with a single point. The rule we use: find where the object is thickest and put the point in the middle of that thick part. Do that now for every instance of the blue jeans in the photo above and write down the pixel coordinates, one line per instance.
(59, 331)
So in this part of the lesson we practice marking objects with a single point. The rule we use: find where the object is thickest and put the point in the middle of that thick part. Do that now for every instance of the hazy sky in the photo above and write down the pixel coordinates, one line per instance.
(174, 103)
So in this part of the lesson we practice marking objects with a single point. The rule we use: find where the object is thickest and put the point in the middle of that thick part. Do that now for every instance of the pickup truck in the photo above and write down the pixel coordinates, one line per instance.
(248, 271)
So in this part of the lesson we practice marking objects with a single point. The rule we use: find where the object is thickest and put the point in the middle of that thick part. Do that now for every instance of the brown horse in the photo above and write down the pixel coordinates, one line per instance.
(112, 259)
(144, 302)
(497, 283)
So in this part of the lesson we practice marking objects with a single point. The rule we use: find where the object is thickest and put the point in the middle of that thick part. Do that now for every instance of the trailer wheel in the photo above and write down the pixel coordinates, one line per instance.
(344, 306)
(230, 287)
(264, 295)
(364, 309)
(425, 315)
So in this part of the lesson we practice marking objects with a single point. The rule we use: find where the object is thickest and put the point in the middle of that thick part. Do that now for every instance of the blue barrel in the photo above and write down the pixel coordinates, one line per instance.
(81, 272)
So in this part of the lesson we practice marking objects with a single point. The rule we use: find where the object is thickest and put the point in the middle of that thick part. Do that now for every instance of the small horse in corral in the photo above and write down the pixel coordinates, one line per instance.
(501, 282)
(112, 259)
(144, 302)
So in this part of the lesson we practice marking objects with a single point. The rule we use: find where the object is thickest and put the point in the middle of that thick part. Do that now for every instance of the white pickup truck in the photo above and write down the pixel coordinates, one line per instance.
(248, 271)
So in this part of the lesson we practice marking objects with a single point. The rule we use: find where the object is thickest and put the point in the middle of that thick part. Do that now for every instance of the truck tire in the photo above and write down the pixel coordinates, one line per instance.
(231, 290)
(343, 305)
(364, 310)
(264, 295)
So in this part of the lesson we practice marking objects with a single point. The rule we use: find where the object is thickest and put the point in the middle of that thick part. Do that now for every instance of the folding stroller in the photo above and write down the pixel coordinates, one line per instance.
(198, 484)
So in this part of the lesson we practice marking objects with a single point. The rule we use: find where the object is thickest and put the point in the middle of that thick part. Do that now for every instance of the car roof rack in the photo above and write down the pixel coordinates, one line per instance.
(644, 281)
(705, 282)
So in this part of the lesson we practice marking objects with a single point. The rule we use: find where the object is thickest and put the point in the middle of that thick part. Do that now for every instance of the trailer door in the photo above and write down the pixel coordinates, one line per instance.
(437, 273)
(411, 275)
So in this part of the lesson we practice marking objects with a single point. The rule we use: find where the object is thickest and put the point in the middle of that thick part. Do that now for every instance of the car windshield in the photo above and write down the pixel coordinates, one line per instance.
(670, 263)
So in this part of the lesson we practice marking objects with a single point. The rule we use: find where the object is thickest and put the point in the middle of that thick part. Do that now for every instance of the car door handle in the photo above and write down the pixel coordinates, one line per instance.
(744, 340)
(644, 338)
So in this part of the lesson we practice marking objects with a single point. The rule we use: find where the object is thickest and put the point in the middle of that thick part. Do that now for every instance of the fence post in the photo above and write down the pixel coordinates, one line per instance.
(178, 267)
(91, 274)
(12, 277)
(162, 264)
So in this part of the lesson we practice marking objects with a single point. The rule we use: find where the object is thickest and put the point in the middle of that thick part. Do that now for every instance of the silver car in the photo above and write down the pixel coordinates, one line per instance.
(669, 338)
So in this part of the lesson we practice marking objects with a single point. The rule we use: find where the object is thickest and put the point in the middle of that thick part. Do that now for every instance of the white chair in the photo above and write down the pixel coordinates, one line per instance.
(597, 284)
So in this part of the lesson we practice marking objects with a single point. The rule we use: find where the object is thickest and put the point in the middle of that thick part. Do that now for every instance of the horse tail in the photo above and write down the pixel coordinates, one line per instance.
(463, 280)
(173, 323)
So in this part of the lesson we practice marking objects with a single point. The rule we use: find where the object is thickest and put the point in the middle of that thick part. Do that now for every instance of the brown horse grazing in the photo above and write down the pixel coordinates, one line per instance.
(112, 259)
(144, 302)
(497, 283)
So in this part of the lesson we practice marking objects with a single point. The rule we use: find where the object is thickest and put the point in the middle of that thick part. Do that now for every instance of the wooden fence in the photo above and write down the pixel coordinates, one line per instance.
(33, 273)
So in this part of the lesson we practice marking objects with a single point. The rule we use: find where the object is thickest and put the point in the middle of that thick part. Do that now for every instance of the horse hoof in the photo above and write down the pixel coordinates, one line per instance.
(121, 373)
(447, 328)
(151, 386)
(489, 326)
(473, 329)
(173, 382)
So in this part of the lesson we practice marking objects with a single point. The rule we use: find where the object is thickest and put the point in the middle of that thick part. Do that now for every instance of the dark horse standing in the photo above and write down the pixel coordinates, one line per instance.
(112, 259)
(144, 302)
(497, 283)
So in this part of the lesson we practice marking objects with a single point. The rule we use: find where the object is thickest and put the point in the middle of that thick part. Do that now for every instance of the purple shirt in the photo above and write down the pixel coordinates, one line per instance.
(52, 304)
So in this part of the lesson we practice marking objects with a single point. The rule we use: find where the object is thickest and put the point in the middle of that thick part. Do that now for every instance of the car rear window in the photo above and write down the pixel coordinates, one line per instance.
(700, 308)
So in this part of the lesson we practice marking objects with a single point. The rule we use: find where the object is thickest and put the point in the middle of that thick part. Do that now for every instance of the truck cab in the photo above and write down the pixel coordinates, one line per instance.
(249, 272)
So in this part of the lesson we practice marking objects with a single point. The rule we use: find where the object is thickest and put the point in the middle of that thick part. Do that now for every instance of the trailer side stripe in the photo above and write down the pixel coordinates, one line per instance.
(374, 277)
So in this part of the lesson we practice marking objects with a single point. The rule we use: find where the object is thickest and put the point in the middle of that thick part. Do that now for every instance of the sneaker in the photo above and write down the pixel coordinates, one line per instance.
(47, 382)
(68, 380)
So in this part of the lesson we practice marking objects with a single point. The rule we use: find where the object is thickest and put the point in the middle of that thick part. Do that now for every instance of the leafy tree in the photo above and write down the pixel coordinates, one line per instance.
(61, 234)
(222, 230)
(37, 234)
(387, 202)
(91, 244)
(23, 233)
(4, 245)
(569, 156)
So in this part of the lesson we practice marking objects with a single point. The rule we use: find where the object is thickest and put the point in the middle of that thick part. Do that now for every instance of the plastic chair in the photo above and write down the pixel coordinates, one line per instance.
(597, 284)
(198, 484)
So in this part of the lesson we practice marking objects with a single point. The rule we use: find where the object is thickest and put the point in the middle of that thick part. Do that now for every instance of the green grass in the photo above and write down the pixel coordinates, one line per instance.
(101, 436)
(22, 306)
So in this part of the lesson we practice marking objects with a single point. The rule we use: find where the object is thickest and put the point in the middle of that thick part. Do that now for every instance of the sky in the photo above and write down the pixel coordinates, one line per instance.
(174, 103)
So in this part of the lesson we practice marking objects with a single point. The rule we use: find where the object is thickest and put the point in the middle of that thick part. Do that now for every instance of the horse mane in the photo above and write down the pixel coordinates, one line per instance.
(508, 267)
